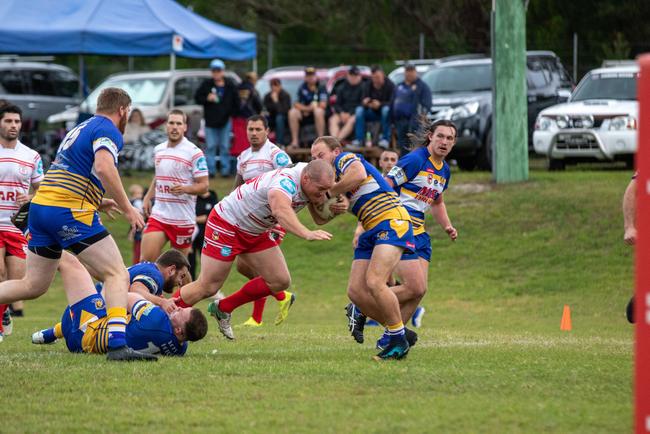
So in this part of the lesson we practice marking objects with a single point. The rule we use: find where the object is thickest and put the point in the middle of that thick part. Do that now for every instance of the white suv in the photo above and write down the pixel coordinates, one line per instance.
(598, 123)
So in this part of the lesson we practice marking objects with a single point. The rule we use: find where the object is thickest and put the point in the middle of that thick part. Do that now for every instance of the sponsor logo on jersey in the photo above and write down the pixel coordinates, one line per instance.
(282, 159)
(201, 164)
(226, 251)
(288, 185)
(39, 167)
(398, 174)
(105, 141)
(147, 281)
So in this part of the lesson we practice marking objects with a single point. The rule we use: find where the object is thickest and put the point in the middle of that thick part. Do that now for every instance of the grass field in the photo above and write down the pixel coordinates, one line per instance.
(491, 356)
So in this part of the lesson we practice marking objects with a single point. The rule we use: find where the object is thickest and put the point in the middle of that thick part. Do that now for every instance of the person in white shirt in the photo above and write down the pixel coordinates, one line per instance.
(20, 169)
(262, 156)
(181, 173)
(240, 225)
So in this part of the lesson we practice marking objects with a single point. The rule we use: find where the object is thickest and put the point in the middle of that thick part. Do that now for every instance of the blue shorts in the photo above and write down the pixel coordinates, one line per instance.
(84, 325)
(53, 226)
(393, 232)
(422, 248)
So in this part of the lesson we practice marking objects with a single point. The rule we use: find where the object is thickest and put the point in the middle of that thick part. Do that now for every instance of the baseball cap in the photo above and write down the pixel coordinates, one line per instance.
(217, 64)
(310, 70)
(354, 70)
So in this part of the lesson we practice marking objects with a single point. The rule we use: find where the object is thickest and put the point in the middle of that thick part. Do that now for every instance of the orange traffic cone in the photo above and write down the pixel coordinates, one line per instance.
(565, 324)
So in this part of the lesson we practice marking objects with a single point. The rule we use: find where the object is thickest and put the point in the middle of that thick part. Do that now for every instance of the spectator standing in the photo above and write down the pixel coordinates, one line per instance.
(249, 104)
(348, 98)
(412, 98)
(309, 107)
(220, 99)
(278, 103)
(135, 127)
(376, 99)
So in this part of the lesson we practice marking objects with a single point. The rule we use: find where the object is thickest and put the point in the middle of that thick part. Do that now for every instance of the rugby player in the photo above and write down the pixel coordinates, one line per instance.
(64, 215)
(20, 169)
(147, 279)
(240, 224)
(181, 173)
(261, 157)
(387, 235)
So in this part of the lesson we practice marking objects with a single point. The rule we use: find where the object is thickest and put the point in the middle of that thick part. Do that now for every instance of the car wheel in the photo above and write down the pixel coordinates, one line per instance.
(467, 163)
(555, 164)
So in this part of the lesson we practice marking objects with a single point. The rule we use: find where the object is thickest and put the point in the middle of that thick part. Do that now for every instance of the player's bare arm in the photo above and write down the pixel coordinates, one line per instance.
(146, 200)
(166, 304)
(283, 212)
(110, 179)
(199, 186)
(351, 179)
(439, 212)
(629, 213)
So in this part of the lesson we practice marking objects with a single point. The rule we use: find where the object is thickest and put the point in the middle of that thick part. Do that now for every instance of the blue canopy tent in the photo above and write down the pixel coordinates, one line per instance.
(117, 27)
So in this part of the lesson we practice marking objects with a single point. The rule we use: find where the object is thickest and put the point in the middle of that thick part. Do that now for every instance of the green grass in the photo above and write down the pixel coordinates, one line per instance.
(491, 356)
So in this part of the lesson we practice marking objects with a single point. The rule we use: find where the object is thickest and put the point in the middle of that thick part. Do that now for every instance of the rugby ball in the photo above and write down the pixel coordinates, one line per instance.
(323, 210)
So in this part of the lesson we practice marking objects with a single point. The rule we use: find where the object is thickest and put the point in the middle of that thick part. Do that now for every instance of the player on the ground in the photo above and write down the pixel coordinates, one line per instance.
(629, 225)
(150, 330)
(64, 215)
(240, 225)
(20, 169)
(388, 234)
(147, 279)
(261, 157)
(181, 173)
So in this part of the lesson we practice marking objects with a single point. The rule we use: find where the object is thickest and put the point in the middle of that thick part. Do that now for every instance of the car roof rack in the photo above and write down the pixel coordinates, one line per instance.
(18, 58)
(622, 62)
(416, 62)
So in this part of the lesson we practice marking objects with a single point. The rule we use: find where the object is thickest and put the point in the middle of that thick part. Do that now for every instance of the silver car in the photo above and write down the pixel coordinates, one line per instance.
(154, 93)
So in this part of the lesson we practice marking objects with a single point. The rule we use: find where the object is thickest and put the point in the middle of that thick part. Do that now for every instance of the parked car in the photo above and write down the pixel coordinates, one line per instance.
(39, 89)
(154, 93)
(598, 123)
(462, 92)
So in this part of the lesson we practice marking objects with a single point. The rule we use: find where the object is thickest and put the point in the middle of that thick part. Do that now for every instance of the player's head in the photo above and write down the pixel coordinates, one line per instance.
(189, 324)
(176, 125)
(115, 102)
(326, 148)
(257, 130)
(387, 160)
(441, 138)
(10, 121)
(316, 178)
(175, 268)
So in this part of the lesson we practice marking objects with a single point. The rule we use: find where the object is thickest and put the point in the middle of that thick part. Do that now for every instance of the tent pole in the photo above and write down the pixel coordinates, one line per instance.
(82, 76)
(255, 65)
(172, 67)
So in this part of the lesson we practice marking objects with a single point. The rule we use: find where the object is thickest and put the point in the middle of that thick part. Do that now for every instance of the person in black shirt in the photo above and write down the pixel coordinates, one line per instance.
(348, 98)
(375, 106)
(310, 106)
(220, 99)
(204, 204)
(277, 103)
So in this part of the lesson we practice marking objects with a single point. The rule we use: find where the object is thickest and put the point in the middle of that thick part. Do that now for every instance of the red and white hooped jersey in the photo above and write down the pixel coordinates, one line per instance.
(180, 164)
(20, 167)
(251, 164)
(247, 207)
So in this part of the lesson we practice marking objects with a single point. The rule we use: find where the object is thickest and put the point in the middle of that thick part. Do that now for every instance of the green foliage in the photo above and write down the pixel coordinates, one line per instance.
(491, 357)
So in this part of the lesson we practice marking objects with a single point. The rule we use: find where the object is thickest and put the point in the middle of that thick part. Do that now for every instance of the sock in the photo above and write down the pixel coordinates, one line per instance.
(395, 331)
(58, 333)
(179, 300)
(116, 325)
(258, 309)
(52, 334)
(255, 288)
(279, 296)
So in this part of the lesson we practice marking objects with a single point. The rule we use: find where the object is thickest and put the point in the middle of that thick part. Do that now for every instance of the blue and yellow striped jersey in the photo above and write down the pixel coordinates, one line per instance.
(150, 330)
(71, 181)
(419, 181)
(373, 201)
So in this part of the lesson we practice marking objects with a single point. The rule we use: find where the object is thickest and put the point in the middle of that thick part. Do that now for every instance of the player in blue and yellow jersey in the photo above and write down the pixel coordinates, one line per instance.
(147, 279)
(64, 215)
(150, 329)
(388, 234)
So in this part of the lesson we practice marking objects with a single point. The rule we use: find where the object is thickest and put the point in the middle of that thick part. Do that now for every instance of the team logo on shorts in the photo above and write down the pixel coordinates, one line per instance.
(215, 236)
(383, 235)
(226, 251)
(99, 303)
(67, 233)
(183, 239)
(288, 185)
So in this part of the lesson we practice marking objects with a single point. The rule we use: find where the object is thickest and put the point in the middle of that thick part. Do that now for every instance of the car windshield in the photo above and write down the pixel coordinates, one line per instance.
(143, 91)
(607, 86)
(470, 78)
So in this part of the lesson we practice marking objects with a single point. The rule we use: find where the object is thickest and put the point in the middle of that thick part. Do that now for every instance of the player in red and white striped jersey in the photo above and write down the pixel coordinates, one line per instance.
(181, 174)
(20, 169)
(262, 156)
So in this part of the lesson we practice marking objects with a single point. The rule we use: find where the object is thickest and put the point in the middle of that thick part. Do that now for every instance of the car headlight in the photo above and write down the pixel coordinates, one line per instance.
(465, 111)
(620, 123)
(562, 122)
(544, 123)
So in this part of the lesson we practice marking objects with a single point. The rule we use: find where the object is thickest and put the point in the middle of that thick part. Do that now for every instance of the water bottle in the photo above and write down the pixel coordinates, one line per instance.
(216, 95)
(368, 140)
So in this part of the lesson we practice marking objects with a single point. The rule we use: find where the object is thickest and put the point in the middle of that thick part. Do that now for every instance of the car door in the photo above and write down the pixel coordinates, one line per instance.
(47, 93)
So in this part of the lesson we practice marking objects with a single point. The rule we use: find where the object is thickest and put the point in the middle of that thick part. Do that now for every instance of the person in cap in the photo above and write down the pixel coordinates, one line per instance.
(309, 107)
(220, 99)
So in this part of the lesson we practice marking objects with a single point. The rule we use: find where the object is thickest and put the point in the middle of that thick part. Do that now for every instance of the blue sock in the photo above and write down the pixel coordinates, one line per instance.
(48, 335)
